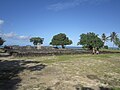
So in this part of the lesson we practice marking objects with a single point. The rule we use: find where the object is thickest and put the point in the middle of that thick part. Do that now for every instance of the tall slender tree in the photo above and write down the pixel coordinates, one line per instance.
(104, 38)
(113, 37)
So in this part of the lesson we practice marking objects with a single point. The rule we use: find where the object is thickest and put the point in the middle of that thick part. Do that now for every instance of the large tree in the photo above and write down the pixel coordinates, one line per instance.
(60, 39)
(113, 37)
(1, 41)
(104, 38)
(36, 40)
(90, 40)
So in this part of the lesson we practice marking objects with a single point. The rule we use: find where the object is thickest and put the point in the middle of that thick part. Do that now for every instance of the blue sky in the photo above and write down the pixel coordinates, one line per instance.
(22, 19)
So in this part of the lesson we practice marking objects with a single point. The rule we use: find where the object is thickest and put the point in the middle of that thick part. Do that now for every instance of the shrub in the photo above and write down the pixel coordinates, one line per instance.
(106, 47)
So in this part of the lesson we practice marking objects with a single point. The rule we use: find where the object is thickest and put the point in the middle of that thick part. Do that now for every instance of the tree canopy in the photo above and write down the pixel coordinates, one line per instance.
(114, 38)
(104, 38)
(1, 41)
(36, 40)
(90, 40)
(117, 41)
(60, 39)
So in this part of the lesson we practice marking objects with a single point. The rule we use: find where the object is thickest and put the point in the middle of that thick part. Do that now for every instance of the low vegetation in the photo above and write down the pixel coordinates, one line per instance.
(65, 72)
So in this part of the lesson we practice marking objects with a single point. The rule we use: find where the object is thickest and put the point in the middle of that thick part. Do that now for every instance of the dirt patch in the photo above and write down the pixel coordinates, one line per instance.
(10, 70)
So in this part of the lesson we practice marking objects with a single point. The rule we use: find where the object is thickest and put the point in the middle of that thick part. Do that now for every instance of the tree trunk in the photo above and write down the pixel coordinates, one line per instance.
(113, 45)
(103, 44)
(63, 46)
(38, 46)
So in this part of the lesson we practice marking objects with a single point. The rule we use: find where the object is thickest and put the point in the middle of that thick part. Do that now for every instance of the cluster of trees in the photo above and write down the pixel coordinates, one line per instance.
(57, 40)
(113, 37)
(89, 40)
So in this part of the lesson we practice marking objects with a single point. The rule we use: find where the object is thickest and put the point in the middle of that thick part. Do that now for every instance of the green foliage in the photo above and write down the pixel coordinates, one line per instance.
(1, 41)
(114, 38)
(106, 47)
(90, 40)
(117, 41)
(104, 38)
(60, 39)
(119, 45)
(36, 40)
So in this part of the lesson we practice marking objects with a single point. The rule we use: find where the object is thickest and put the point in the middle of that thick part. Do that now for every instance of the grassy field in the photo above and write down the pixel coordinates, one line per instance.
(65, 72)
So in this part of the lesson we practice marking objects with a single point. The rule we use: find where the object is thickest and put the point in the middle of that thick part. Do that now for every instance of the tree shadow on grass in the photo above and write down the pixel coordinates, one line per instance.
(9, 70)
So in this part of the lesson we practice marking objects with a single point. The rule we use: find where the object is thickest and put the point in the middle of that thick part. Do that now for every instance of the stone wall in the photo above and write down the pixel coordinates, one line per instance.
(32, 51)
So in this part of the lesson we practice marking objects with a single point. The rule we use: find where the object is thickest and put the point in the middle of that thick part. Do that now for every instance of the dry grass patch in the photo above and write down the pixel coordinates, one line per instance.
(66, 72)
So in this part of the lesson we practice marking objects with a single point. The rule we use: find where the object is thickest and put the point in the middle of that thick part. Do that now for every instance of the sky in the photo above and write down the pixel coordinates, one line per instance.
(22, 19)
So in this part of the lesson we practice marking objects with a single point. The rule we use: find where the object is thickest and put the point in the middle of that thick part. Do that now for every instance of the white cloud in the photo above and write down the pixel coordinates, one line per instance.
(24, 37)
(9, 35)
(64, 5)
(12, 35)
(70, 4)
(1, 22)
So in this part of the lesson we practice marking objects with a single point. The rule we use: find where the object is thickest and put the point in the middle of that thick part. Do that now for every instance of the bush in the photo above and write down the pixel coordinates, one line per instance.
(106, 47)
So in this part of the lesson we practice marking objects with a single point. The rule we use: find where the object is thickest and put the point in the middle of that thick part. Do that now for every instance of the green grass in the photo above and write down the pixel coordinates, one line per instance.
(101, 64)
(64, 58)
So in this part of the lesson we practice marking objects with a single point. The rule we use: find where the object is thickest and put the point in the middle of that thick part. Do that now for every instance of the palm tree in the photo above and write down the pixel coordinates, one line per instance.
(117, 41)
(113, 37)
(104, 38)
